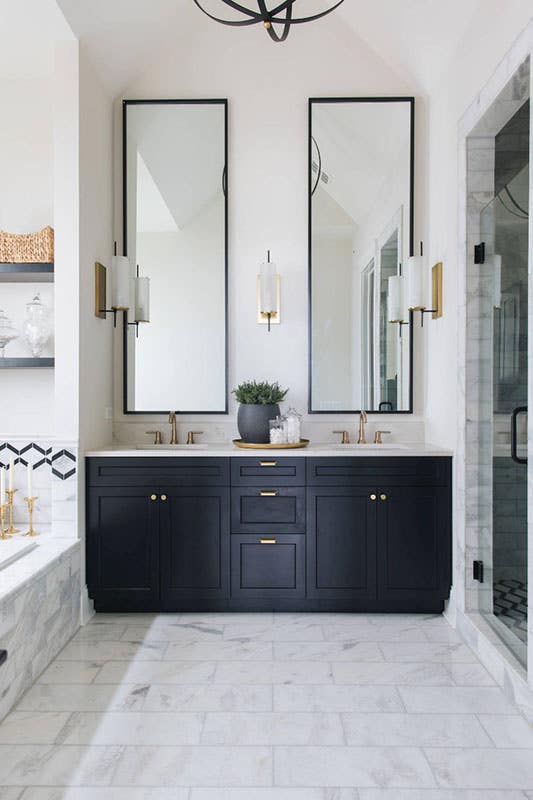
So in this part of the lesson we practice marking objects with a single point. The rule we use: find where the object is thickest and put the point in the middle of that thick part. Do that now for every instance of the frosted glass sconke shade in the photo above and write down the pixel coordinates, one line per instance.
(121, 282)
(142, 299)
(268, 294)
(395, 299)
(415, 283)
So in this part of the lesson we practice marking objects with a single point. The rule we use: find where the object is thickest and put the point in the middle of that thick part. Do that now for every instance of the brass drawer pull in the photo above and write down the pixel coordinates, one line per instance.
(163, 497)
(383, 497)
(268, 494)
(268, 541)
(373, 497)
(268, 463)
(153, 497)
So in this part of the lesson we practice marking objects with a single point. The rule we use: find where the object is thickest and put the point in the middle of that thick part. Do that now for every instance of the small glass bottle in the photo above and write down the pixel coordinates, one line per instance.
(294, 426)
(276, 431)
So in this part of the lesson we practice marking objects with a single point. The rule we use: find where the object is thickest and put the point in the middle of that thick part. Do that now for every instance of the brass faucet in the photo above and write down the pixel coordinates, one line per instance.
(361, 439)
(345, 436)
(191, 435)
(174, 434)
(157, 436)
(377, 437)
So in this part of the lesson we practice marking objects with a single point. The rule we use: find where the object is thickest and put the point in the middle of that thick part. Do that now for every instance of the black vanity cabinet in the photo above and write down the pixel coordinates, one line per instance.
(292, 533)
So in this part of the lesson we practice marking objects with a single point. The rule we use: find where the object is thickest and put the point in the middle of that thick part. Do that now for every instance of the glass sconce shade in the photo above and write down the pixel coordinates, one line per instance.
(37, 327)
(121, 282)
(7, 332)
(395, 299)
(268, 288)
(142, 299)
(415, 282)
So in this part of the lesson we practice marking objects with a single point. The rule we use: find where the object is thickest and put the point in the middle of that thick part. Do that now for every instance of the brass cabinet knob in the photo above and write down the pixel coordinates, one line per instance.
(383, 496)
(153, 497)
(373, 497)
(164, 497)
(268, 494)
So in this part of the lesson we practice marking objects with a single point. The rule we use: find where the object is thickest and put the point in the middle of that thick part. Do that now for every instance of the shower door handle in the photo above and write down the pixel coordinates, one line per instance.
(514, 435)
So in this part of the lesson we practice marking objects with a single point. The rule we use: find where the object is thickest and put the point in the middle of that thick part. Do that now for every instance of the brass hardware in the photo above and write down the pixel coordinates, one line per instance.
(436, 290)
(345, 436)
(10, 495)
(377, 437)
(383, 497)
(275, 316)
(3, 534)
(100, 290)
(157, 434)
(268, 494)
(153, 497)
(268, 463)
(173, 432)
(361, 439)
(191, 435)
(373, 497)
(268, 541)
(163, 497)
(31, 502)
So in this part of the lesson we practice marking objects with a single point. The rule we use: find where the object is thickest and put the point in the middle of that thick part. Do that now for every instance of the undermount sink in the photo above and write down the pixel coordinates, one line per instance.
(371, 446)
(172, 446)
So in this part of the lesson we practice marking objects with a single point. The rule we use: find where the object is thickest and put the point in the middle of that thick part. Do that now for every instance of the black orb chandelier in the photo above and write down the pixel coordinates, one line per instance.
(280, 15)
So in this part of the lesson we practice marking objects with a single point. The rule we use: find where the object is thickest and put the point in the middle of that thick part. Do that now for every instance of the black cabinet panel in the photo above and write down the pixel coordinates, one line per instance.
(376, 470)
(413, 542)
(267, 567)
(341, 550)
(268, 471)
(194, 545)
(123, 548)
(257, 510)
(158, 471)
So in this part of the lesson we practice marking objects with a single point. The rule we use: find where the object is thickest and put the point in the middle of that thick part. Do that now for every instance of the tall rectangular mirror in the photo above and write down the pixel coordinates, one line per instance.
(360, 234)
(175, 232)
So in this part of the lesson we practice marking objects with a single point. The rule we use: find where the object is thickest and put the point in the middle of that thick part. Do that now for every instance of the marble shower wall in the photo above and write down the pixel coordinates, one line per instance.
(54, 481)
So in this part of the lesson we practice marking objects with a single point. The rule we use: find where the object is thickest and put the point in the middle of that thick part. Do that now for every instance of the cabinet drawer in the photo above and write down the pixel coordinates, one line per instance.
(268, 471)
(267, 567)
(268, 510)
(172, 471)
(375, 471)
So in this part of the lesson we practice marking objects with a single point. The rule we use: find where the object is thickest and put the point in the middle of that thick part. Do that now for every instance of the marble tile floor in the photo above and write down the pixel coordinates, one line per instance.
(265, 707)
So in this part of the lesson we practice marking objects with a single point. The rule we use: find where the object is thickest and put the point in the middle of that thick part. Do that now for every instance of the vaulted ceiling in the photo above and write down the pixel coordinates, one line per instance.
(415, 38)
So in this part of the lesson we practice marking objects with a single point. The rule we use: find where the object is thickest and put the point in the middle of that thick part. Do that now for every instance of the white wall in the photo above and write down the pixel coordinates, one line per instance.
(267, 87)
(483, 47)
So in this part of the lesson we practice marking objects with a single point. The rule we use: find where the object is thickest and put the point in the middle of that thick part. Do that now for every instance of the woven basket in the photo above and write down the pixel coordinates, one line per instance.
(23, 248)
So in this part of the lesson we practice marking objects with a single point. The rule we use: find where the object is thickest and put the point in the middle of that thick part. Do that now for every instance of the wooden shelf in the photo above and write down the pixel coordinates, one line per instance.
(35, 272)
(14, 363)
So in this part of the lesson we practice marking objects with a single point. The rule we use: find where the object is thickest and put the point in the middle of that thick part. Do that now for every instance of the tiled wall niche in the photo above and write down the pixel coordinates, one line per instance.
(54, 481)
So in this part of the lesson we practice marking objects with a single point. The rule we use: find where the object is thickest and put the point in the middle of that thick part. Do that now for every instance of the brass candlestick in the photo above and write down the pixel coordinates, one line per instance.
(10, 494)
(3, 533)
(31, 502)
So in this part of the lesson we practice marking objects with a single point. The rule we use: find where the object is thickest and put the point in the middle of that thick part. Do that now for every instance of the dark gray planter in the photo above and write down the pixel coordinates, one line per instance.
(252, 421)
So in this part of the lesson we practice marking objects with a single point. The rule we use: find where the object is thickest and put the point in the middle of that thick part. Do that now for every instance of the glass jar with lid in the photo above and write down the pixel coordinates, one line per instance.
(293, 423)
(37, 326)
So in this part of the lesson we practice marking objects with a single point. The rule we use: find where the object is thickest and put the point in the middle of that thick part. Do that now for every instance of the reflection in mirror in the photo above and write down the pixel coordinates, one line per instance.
(175, 230)
(361, 207)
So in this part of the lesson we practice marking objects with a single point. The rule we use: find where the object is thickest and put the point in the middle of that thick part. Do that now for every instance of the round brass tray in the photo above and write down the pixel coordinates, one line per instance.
(268, 446)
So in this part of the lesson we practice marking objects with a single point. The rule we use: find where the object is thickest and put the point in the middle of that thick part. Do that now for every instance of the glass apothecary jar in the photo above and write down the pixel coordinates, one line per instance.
(293, 426)
(37, 326)
(7, 332)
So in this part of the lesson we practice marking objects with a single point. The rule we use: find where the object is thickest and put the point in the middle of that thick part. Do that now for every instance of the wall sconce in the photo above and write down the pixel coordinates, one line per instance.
(141, 292)
(268, 294)
(415, 287)
(121, 287)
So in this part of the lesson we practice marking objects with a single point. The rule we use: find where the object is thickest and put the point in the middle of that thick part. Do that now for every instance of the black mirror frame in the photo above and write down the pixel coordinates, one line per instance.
(224, 103)
(313, 101)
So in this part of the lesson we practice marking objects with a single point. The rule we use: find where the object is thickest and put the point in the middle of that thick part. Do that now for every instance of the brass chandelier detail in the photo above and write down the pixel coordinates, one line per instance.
(280, 15)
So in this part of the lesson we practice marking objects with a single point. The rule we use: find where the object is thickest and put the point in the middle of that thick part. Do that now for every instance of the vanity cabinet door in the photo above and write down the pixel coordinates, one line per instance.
(123, 548)
(341, 544)
(194, 547)
(414, 546)
(267, 568)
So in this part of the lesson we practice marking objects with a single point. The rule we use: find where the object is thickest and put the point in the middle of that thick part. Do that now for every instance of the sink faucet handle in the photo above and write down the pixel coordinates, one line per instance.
(191, 435)
(377, 437)
(157, 436)
(345, 436)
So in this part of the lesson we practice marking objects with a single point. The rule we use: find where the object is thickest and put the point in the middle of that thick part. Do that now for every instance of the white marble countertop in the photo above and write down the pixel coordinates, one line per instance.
(48, 549)
(313, 450)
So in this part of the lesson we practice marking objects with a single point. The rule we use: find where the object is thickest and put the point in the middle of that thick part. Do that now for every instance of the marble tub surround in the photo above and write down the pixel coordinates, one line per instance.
(39, 613)
(266, 706)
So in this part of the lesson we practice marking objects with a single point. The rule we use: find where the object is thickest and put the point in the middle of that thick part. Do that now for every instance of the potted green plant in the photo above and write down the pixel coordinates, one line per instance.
(258, 404)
